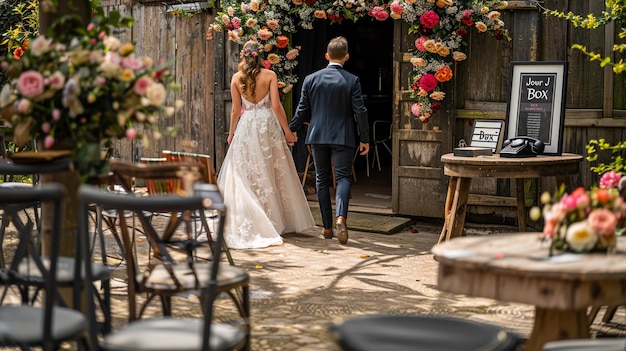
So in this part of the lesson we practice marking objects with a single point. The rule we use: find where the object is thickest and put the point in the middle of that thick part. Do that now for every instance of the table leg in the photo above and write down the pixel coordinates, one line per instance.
(459, 208)
(553, 325)
(448, 209)
(521, 204)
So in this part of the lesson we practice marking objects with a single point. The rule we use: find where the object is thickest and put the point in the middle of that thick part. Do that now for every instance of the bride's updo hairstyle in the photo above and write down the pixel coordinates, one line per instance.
(250, 65)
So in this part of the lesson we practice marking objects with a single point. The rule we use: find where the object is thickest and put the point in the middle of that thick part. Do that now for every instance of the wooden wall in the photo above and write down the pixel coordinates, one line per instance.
(181, 43)
(594, 101)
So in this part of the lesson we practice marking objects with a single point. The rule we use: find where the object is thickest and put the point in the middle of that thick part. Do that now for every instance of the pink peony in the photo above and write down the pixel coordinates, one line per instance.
(428, 82)
(30, 83)
(236, 22)
(610, 179)
(429, 19)
(141, 85)
(267, 64)
(602, 221)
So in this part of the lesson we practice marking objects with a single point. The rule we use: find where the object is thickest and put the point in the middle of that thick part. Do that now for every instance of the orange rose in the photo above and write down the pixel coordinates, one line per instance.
(282, 41)
(444, 74)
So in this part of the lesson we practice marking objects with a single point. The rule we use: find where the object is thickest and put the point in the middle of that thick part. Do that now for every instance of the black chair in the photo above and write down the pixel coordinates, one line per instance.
(420, 332)
(381, 139)
(170, 333)
(67, 265)
(45, 323)
(608, 344)
(232, 280)
(169, 277)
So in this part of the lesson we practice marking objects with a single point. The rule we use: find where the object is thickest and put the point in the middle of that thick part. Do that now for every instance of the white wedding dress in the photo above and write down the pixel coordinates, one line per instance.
(259, 181)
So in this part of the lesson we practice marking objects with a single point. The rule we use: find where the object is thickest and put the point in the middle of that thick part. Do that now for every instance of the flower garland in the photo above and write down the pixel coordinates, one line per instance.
(441, 24)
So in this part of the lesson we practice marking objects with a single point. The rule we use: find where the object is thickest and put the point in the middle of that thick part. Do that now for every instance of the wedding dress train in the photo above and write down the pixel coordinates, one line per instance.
(259, 181)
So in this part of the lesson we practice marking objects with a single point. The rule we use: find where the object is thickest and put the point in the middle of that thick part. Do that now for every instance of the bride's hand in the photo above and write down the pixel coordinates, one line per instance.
(291, 138)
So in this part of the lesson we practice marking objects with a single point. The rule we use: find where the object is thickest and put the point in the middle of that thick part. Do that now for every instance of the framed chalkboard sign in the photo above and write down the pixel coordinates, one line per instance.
(536, 106)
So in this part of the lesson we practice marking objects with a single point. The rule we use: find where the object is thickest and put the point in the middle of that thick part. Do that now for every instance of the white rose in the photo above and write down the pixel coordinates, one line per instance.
(156, 94)
(40, 46)
(580, 237)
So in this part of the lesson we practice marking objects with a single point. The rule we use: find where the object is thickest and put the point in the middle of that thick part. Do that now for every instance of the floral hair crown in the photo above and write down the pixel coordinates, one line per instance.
(252, 50)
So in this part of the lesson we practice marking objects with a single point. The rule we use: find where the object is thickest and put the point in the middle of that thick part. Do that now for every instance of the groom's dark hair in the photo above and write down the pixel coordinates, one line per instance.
(337, 48)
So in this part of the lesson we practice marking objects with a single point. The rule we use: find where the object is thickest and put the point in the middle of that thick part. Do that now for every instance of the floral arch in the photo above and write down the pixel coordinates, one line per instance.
(442, 26)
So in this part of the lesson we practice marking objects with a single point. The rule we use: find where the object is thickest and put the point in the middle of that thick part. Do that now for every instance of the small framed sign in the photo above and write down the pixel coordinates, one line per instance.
(536, 106)
(487, 133)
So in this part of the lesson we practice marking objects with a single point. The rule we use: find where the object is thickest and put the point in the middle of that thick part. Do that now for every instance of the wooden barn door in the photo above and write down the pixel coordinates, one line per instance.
(418, 186)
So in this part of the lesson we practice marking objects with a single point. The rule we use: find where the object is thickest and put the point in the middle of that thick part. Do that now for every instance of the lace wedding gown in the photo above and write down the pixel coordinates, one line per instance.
(262, 192)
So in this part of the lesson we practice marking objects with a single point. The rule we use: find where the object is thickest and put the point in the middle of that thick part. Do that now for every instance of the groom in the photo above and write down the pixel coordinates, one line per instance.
(331, 101)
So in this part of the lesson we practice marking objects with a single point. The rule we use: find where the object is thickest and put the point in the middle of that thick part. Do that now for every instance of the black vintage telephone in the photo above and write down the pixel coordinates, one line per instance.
(522, 146)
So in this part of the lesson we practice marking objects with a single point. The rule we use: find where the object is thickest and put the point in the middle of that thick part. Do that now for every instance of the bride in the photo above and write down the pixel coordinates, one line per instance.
(258, 178)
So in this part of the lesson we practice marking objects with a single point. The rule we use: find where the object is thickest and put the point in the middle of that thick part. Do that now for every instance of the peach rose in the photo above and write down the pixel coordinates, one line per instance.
(481, 27)
(602, 221)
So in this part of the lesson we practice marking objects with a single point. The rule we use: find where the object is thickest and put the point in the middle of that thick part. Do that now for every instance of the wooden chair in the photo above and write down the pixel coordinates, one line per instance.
(165, 242)
(169, 277)
(46, 323)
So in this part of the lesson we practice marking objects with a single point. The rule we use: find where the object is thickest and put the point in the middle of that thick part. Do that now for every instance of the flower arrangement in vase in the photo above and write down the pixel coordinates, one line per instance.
(83, 89)
(585, 220)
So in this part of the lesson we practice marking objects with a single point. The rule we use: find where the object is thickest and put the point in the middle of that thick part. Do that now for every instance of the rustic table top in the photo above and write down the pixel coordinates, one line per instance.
(517, 267)
(502, 167)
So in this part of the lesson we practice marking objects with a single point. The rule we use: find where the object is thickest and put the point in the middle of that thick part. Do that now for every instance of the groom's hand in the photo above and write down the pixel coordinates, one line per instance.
(364, 148)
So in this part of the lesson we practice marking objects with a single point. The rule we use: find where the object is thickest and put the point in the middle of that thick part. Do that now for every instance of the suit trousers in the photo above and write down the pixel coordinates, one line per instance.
(325, 157)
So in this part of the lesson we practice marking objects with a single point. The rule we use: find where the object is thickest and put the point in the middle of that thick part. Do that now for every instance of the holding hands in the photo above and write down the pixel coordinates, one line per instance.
(291, 138)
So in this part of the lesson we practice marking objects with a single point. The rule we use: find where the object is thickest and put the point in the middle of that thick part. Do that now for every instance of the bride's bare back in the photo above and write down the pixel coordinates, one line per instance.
(262, 87)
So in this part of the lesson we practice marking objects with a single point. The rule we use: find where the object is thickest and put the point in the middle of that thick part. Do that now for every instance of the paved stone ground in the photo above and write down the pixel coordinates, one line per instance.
(302, 286)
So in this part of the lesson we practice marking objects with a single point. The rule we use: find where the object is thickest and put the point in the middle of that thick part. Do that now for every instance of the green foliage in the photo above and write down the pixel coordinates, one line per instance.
(616, 12)
(19, 19)
(617, 162)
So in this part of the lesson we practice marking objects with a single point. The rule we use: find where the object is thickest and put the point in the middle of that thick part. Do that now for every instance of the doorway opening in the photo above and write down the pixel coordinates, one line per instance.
(371, 59)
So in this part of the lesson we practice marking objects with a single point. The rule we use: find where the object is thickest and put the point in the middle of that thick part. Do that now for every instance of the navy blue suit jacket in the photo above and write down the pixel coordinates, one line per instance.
(331, 101)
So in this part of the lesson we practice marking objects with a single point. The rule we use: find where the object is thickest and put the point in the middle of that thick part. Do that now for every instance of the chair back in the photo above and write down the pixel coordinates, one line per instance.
(206, 197)
(204, 161)
(29, 252)
(157, 174)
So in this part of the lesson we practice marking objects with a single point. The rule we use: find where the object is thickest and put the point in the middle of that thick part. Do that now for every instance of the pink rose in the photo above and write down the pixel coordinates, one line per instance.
(56, 115)
(267, 64)
(429, 19)
(466, 18)
(428, 82)
(602, 221)
(419, 43)
(610, 179)
(24, 106)
(273, 24)
(131, 133)
(379, 13)
(30, 83)
(236, 22)
(48, 141)
(415, 109)
(45, 127)
(141, 85)
(396, 7)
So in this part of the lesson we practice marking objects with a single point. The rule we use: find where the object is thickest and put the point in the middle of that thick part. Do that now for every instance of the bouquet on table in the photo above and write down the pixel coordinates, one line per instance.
(585, 220)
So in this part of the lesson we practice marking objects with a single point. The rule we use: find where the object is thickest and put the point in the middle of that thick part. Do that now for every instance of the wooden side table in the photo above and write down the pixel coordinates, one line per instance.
(462, 169)
(516, 268)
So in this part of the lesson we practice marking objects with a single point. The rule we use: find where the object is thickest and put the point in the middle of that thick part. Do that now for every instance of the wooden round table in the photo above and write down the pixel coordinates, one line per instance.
(462, 169)
(516, 268)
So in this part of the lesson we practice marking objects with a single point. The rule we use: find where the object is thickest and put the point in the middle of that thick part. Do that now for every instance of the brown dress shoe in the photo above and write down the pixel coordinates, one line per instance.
(342, 230)
(327, 233)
